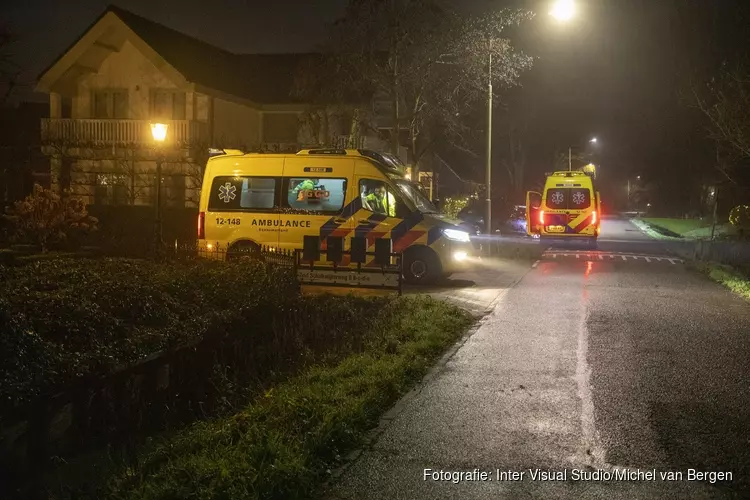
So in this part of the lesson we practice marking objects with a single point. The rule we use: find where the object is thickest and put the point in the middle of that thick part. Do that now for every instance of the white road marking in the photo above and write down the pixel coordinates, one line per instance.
(612, 255)
(535, 264)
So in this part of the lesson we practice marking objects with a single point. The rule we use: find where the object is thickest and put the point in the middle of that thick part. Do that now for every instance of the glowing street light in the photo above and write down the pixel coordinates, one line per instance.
(159, 133)
(563, 10)
(593, 140)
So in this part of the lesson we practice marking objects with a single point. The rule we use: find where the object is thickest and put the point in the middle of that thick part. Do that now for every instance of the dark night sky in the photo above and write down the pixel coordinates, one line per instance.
(614, 72)
(46, 27)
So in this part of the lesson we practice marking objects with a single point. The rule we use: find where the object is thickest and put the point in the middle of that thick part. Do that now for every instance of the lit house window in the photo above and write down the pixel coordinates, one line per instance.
(111, 189)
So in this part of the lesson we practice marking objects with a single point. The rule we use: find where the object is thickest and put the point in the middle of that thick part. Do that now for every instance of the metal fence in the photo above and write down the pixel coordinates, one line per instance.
(733, 253)
(262, 253)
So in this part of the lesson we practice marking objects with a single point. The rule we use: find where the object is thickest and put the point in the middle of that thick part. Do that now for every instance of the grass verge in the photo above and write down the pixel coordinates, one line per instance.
(677, 226)
(736, 281)
(285, 442)
(689, 229)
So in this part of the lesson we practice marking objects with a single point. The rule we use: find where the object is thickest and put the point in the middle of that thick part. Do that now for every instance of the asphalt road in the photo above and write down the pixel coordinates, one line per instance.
(594, 361)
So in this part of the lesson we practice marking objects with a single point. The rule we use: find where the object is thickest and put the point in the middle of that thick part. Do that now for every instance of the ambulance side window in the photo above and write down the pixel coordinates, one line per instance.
(243, 194)
(377, 197)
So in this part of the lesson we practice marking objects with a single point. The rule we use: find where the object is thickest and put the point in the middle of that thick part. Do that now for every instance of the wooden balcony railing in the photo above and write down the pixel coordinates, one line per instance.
(126, 133)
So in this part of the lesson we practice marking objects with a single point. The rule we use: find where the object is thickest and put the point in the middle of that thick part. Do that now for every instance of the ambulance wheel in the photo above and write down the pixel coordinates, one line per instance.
(244, 249)
(421, 266)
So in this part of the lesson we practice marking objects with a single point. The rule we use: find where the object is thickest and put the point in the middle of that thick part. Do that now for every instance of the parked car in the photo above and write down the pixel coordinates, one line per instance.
(472, 218)
(516, 221)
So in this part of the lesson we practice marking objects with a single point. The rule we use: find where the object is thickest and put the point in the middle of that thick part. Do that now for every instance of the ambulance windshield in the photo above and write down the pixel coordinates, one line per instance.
(415, 197)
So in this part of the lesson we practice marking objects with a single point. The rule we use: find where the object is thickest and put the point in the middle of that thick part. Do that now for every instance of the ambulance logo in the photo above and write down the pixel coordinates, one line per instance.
(579, 198)
(227, 192)
(557, 197)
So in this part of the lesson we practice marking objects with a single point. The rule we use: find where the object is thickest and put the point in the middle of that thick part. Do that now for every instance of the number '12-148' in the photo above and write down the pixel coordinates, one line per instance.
(232, 222)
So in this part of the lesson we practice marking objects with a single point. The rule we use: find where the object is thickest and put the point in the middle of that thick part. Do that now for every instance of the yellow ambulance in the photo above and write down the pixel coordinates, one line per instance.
(569, 208)
(274, 200)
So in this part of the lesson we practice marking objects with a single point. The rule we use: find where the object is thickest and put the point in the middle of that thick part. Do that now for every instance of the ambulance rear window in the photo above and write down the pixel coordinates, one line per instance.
(243, 194)
(568, 198)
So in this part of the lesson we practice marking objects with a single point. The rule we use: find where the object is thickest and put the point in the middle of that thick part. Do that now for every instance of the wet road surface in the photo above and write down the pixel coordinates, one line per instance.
(586, 364)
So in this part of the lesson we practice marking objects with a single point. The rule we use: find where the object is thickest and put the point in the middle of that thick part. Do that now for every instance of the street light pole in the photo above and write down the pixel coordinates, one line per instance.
(488, 173)
(628, 193)
(570, 158)
(159, 133)
(158, 240)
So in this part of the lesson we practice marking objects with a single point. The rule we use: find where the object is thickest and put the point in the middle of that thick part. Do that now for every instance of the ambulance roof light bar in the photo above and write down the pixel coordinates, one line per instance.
(219, 152)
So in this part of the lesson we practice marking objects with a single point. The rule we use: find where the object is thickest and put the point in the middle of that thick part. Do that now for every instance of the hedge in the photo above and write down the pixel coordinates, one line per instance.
(64, 318)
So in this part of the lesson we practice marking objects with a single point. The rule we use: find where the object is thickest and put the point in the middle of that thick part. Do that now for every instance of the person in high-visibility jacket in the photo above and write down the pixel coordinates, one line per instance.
(382, 202)
(305, 185)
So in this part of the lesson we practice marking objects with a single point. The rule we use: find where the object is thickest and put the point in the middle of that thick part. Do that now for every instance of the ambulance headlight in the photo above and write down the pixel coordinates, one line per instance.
(460, 256)
(456, 235)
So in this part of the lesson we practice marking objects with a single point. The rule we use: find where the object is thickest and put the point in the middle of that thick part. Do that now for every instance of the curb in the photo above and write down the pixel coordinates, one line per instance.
(650, 230)
(372, 436)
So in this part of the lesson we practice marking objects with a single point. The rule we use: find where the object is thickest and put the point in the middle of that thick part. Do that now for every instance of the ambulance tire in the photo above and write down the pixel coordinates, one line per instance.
(421, 266)
(244, 249)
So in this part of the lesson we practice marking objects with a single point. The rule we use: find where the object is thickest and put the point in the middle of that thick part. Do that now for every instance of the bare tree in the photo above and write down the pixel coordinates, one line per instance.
(725, 101)
(428, 62)
(10, 71)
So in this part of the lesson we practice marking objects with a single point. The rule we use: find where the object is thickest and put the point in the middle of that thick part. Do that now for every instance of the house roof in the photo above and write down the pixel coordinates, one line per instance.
(262, 78)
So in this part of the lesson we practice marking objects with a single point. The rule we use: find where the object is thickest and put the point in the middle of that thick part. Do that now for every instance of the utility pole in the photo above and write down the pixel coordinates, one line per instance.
(488, 173)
